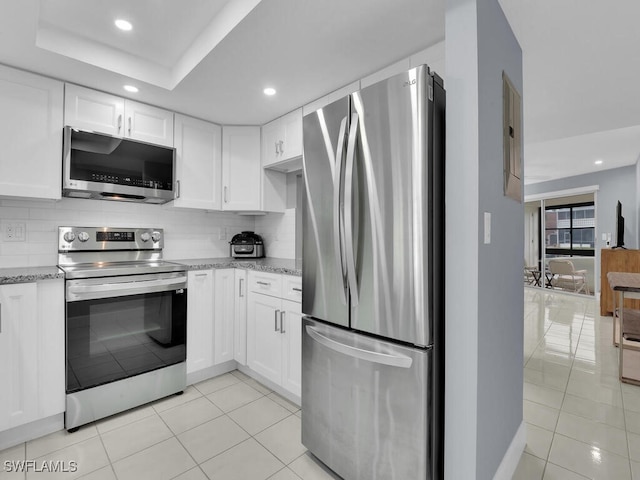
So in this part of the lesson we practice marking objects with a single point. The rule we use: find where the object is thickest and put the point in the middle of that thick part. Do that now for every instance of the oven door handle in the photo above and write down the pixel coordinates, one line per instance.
(77, 293)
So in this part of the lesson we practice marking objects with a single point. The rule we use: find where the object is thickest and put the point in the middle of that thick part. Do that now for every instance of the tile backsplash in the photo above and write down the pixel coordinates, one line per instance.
(188, 233)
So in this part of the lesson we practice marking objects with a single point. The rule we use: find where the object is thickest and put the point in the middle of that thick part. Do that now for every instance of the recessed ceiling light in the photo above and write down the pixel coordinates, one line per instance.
(598, 162)
(131, 88)
(123, 24)
(269, 91)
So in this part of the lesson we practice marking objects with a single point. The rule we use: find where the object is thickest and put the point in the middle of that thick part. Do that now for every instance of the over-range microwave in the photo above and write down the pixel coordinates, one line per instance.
(104, 167)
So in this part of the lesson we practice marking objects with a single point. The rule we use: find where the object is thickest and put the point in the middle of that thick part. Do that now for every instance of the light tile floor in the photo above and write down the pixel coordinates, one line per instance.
(229, 427)
(582, 422)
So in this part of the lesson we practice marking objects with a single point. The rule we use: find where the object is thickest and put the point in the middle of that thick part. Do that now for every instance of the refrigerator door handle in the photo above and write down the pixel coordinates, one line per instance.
(400, 361)
(337, 211)
(348, 210)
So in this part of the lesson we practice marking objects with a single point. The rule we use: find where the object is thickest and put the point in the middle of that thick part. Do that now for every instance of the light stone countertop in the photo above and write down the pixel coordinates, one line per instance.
(273, 265)
(29, 274)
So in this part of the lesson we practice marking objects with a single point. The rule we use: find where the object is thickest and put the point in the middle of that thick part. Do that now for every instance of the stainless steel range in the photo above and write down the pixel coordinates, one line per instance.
(126, 311)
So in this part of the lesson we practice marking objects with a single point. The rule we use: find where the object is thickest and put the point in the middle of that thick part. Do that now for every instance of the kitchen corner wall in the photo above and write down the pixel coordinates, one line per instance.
(278, 231)
(188, 233)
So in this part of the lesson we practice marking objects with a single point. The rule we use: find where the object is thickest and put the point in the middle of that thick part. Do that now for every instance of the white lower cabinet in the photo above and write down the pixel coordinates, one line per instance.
(31, 352)
(224, 317)
(292, 346)
(240, 326)
(274, 337)
(200, 311)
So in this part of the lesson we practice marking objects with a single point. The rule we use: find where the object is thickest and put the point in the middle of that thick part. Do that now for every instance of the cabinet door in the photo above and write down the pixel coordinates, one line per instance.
(199, 320)
(241, 170)
(240, 326)
(51, 346)
(18, 355)
(291, 330)
(148, 124)
(224, 306)
(264, 340)
(198, 163)
(31, 135)
(292, 126)
(272, 135)
(88, 109)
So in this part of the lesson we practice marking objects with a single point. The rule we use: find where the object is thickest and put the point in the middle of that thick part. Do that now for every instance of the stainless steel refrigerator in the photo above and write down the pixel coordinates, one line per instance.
(373, 279)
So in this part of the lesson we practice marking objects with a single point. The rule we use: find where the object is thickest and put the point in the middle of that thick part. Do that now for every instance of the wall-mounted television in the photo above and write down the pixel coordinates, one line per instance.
(619, 227)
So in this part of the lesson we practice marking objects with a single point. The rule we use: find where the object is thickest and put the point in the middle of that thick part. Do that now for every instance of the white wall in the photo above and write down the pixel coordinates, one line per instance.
(278, 231)
(188, 233)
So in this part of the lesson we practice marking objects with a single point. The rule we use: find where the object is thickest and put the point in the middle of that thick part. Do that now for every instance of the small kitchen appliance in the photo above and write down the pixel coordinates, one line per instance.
(247, 245)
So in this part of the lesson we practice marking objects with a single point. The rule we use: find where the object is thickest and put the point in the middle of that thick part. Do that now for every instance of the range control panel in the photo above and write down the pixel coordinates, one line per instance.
(109, 238)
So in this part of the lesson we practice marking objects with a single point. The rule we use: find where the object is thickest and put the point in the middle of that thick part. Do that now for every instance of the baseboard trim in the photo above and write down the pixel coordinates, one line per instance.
(210, 372)
(512, 457)
(30, 431)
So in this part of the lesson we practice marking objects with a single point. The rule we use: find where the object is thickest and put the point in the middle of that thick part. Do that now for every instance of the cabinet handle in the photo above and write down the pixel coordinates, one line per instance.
(201, 274)
(266, 284)
(296, 289)
(129, 126)
(282, 321)
(275, 320)
(240, 288)
(119, 122)
(277, 151)
(281, 144)
(177, 188)
(225, 195)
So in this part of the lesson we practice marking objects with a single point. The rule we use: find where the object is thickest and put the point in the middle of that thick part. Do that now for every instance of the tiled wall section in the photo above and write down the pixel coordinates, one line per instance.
(188, 233)
(279, 233)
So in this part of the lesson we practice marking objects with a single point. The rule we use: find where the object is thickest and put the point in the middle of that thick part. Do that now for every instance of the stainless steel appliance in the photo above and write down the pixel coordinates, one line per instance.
(103, 167)
(126, 314)
(373, 253)
(247, 245)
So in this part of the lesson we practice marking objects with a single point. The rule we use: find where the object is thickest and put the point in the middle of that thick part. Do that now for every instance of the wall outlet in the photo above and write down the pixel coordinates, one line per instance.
(222, 233)
(14, 232)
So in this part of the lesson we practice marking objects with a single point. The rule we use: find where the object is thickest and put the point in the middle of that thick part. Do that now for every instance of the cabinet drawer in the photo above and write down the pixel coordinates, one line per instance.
(292, 288)
(265, 283)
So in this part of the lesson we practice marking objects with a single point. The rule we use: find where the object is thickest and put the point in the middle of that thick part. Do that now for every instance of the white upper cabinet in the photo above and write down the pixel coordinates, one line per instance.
(241, 171)
(282, 140)
(88, 109)
(31, 135)
(198, 163)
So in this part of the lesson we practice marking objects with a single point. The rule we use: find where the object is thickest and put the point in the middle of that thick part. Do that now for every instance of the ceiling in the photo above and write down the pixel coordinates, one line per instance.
(213, 59)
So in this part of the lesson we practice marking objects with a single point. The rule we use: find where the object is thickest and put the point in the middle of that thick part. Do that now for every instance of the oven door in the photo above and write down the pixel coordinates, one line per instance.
(118, 327)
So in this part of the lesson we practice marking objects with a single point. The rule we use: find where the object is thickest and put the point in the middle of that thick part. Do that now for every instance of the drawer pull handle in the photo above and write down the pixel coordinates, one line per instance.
(296, 289)
(266, 284)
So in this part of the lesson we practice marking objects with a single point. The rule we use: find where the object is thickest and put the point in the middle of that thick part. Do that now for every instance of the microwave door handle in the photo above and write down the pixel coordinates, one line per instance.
(348, 210)
(77, 292)
(338, 223)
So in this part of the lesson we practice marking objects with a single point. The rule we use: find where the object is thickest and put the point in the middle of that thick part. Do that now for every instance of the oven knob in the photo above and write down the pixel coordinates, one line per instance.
(156, 236)
(145, 237)
(69, 237)
(83, 236)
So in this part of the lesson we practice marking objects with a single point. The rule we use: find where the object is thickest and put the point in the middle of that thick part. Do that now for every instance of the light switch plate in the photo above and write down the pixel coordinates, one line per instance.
(487, 228)
(14, 232)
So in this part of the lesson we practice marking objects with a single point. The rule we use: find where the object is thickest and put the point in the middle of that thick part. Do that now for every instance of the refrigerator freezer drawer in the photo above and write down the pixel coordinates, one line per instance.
(365, 404)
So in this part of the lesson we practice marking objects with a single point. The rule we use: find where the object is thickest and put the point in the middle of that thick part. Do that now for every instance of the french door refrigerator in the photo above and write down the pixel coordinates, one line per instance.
(373, 266)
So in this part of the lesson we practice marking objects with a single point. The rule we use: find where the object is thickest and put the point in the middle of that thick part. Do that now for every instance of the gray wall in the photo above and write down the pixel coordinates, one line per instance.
(614, 184)
(484, 297)
(501, 301)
